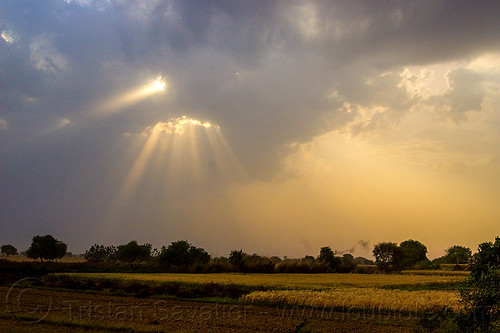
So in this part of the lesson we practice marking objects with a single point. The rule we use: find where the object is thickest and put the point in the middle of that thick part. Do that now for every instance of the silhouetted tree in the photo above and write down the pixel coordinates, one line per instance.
(8, 250)
(413, 252)
(388, 256)
(182, 254)
(258, 264)
(309, 259)
(326, 255)
(481, 292)
(487, 257)
(458, 255)
(46, 247)
(133, 252)
(100, 253)
(236, 259)
(347, 263)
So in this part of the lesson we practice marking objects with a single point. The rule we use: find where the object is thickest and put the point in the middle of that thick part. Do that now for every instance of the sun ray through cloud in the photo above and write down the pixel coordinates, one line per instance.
(182, 153)
(133, 96)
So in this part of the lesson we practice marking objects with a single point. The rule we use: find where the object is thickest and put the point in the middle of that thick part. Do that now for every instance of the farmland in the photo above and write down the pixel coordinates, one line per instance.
(361, 298)
(171, 302)
(86, 312)
(364, 291)
(292, 281)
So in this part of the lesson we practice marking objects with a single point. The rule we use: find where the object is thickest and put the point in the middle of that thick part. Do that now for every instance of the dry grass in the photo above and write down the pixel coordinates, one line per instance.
(363, 298)
(288, 281)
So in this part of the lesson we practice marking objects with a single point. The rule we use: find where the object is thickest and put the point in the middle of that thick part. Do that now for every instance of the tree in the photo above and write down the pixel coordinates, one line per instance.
(46, 247)
(481, 292)
(133, 252)
(388, 256)
(100, 253)
(197, 255)
(182, 254)
(327, 256)
(8, 250)
(236, 259)
(486, 258)
(348, 265)
(413, 252)
(458, 255)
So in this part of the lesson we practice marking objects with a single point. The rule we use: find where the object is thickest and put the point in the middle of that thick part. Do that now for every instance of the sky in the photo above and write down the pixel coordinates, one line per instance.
(276, 127)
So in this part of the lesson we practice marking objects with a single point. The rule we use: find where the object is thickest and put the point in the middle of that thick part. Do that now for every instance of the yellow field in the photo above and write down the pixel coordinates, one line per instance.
(286, 281)
(363, 298)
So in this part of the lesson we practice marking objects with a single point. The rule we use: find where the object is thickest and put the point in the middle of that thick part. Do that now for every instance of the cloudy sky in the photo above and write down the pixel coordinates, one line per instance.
(275, 127)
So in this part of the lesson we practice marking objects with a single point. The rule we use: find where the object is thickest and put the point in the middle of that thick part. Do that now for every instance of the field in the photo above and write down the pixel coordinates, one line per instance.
(293, 281)
(363, 291)
(271, 302)
(63, 311)
(361, 298)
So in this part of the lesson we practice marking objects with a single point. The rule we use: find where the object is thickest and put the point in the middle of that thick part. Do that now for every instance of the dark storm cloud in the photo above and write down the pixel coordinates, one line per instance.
(268, 72)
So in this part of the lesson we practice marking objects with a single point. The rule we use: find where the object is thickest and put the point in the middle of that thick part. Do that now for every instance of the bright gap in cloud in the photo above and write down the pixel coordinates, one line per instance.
(159, 83)
(133, 96)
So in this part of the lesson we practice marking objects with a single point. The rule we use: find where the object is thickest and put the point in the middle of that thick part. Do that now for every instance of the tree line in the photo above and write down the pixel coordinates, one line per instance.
(181, 256)
(412, 254)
